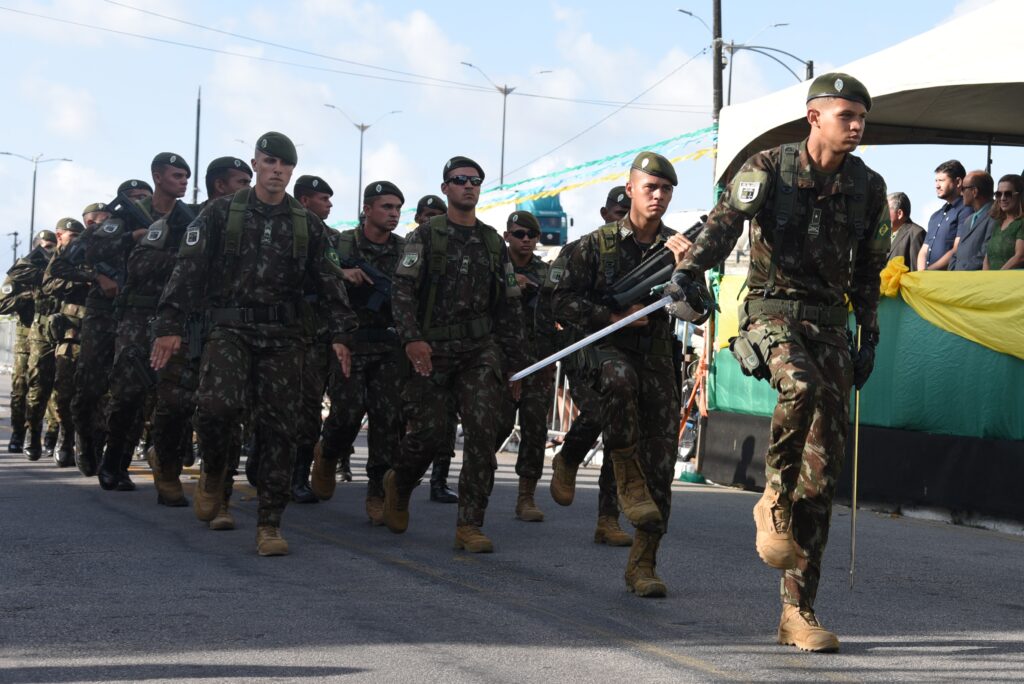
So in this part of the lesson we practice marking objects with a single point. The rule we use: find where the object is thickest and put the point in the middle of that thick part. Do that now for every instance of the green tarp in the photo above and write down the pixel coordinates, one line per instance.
(925, 379)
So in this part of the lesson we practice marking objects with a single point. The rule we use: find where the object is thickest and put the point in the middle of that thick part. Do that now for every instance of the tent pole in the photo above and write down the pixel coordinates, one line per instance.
(988, 157)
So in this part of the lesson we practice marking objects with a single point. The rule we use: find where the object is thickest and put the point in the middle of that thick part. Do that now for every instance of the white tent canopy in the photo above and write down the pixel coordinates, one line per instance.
(941, 87)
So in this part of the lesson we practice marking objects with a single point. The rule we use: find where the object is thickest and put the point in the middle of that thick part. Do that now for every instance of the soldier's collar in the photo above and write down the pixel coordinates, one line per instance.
(626, 229)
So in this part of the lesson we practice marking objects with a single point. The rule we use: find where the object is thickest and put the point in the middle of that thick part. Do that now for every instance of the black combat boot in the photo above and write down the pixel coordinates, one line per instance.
(17, 442)
(301, 492)
(439, 491)
(34, 450)
(50, 441)
(345, 467)
(85, 456)
(65, 455)
(124, 483)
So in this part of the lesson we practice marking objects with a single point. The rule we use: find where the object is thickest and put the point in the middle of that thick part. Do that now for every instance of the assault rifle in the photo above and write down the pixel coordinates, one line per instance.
(373, 297)
(655, 270)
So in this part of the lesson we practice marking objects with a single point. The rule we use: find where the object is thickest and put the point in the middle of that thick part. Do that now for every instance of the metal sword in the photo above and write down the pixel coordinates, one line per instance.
(591, 338)
(856, 458)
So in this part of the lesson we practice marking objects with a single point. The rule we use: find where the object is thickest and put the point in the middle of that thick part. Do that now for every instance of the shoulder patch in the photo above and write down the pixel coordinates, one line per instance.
(748, 191)
(555, 274)
(154, 234)
(7, 289)
(409, 260)
(192, 236)
(110, 227)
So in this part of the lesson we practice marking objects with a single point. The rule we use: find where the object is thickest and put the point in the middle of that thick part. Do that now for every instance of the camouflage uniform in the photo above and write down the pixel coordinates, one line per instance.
(809, 358)
(71, 296)
(16, 299)
(475, 323)
(252, 290)
(537, 389)
(378, 371)
(633, 369)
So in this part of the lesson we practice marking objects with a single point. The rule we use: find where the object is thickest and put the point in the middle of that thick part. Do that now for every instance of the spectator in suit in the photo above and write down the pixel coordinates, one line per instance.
(972, 236)
(1006, 246)
(907, 236)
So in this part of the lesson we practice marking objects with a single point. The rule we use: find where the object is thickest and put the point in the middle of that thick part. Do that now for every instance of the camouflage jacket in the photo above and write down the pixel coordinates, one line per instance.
(815, 264)
(536, 299)
(578, 297)
(151, 261)
(469, 290)
(264, 275)
(67, 291)
(27, 274)
(354, 244)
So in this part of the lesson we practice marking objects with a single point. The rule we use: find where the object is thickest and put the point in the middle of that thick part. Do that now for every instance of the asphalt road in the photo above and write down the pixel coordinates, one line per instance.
(109, 587)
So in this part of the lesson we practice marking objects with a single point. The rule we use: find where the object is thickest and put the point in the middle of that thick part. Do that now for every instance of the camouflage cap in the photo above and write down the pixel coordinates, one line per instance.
(95, 206)
(49, 235)
(170, 159)
(70, 225)
(381, 188)
(617, 195)
(523, 219)
(656, 165)
(460, 161)
(227, 163)
(314, 184)
(838, 84)
(278, 145)
(133, 184)
(431, 202)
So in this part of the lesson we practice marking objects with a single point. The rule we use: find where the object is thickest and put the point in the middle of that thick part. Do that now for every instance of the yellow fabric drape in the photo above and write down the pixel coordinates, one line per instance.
(986, 307)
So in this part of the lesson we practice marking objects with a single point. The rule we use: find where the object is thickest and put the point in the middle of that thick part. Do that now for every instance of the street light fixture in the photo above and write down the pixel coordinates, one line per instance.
(362, 130)
(733, 48)
(505, 91)
(35, 161)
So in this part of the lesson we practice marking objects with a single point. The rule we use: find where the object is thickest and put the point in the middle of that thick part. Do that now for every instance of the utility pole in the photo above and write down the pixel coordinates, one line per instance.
(14, 245)
(195, 160)
(716, 62)
(35, 161)
(361, 127)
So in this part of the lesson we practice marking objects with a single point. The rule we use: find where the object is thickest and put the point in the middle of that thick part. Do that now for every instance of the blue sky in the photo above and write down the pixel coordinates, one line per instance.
(110, 102)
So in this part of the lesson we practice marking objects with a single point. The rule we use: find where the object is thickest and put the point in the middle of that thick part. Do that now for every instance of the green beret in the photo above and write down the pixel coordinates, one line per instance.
(431, 202)
(523, 219)
(227, 163)
(617, 195)
(49, 235)
(133, 184)
(457, 162)
(278, 145)
(70, 225)
(95, 206)
(838, 84)
(656, 165)
(314, 184)
(170, 159)
(380, 188)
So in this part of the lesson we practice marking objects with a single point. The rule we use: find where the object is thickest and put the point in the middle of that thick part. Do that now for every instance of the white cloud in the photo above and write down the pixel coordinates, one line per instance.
(66, 110)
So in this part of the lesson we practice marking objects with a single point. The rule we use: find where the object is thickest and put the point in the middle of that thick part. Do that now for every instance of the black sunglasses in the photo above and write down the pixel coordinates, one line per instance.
(523, 234)
(475, 181)
(1009, 194)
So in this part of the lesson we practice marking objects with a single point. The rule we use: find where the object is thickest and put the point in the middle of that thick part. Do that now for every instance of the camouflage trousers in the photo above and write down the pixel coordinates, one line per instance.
(534, 405)
(66, 361)
(640, 409)
(131, 390)
(41, 369)
(474, 382)
(315, 368)
(95, 358)
(171, 430)
(19, 379)
(238, 372)
(582, 436)
(374, 389)
(808, 444)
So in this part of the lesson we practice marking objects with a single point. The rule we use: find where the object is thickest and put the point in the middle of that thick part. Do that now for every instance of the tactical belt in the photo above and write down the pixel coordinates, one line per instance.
(138, 301)
(819, 315)
(471, 329)
(99, 304)
(376, 335)
(639, 342)
(73, 310)
(281, 313)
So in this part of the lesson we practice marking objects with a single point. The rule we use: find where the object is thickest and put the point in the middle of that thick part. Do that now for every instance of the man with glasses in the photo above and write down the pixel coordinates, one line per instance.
(973, 234)
(455, 302)
(521, 233)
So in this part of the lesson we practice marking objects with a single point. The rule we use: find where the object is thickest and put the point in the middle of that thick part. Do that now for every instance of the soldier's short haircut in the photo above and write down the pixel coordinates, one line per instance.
(951, 168)
(212, 178)
(900, 201)
(983, 183)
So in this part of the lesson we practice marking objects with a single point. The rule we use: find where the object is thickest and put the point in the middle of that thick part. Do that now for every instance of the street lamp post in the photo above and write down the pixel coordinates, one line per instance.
(505, 91)
(362, 131)
(35, 161)
(766, 51)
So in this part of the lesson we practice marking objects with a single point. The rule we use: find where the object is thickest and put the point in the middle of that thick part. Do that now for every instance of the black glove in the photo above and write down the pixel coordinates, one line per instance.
(864, 358)
(691, 300)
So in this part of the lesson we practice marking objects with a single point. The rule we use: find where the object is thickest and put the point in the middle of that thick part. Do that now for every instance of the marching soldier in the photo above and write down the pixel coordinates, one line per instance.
(820, 232)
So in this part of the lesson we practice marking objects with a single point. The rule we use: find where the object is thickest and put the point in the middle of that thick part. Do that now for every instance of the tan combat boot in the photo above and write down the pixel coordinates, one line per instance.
(470, 538)
(801, 629)
(526, 507)
(167, 482)
(634, 497)
(563, 480)
(773, 519)
(640, 576)
(323, 479)
(224, 519)
(396, 505)
(209, 495)
(269, 541)
(608, 532)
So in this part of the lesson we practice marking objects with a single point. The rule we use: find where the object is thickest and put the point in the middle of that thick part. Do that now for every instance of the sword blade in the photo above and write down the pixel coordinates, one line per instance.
(591, 338)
